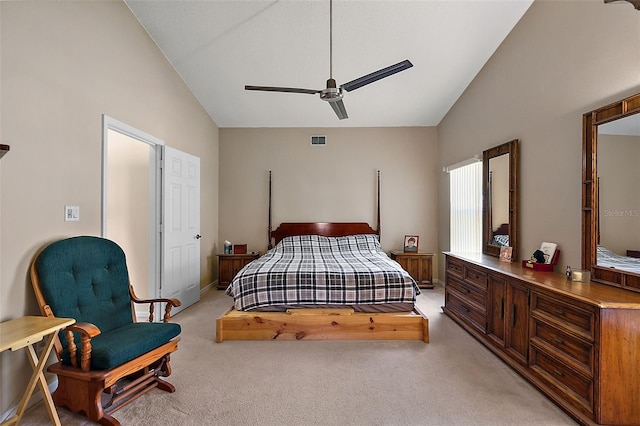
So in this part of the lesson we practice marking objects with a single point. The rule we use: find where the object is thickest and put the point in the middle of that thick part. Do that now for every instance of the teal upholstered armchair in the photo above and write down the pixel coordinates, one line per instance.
(106, 351)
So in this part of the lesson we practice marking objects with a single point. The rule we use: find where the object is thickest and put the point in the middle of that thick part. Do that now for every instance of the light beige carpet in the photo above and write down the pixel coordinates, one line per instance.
(453, 380)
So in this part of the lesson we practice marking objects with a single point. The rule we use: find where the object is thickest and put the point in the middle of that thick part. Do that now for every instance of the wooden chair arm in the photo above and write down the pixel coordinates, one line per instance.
(170, 302)
(87, 331)
(84, 328)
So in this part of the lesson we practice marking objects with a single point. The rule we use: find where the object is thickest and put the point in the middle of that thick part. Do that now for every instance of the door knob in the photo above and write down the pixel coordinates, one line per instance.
(198, 236)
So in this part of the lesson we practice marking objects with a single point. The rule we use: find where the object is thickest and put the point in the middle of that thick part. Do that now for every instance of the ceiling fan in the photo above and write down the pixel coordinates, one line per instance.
(332, 93)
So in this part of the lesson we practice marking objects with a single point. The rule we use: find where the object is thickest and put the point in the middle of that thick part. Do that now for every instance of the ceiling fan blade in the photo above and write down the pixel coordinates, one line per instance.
(339, 109)
(282, 89)
(377, 75)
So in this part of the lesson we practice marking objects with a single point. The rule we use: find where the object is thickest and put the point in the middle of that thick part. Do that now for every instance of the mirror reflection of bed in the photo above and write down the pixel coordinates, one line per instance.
(500, 236)
(619, 198)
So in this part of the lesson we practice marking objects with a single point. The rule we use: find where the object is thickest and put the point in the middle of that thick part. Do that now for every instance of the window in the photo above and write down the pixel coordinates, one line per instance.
(465, 194)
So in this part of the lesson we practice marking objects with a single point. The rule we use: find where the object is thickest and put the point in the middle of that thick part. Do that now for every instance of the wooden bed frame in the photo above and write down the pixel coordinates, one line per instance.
(321, 323)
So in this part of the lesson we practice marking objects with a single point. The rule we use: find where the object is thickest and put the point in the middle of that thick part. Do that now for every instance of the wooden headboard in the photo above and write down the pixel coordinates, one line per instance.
(502, 229)
(327, 229)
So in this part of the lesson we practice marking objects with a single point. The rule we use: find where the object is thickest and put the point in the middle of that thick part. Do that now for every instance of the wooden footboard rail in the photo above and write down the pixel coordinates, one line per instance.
(322, 324)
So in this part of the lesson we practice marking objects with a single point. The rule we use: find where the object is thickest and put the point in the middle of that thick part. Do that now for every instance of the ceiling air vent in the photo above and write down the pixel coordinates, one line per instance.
(318, 140)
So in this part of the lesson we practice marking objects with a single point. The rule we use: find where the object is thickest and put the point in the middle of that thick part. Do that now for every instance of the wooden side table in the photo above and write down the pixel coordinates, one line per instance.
(230, 264)
(418, 265)
(24, 333)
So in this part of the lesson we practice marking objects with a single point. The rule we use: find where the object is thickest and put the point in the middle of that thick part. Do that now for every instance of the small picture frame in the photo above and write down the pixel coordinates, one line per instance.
(506, 253)
(411, 243)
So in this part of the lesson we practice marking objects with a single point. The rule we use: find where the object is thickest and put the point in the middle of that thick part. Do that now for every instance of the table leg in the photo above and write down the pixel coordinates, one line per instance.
(38, 376)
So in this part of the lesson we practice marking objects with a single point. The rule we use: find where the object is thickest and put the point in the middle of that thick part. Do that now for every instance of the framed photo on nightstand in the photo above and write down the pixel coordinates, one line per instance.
(411, 243)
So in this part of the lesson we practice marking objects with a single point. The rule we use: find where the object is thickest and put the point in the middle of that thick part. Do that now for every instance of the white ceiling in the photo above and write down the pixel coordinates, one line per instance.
(219, 46)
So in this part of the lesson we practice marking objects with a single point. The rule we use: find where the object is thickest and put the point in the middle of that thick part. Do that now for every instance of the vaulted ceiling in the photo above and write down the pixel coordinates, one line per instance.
(218, 47)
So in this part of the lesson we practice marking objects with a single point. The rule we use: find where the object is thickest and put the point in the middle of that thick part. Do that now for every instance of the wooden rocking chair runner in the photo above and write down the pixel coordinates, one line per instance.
(106, 352)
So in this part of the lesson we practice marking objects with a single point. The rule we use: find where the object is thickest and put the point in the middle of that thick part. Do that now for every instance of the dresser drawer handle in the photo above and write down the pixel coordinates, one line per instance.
(558, 340)
(559, 312)
(465, 308)
(465, 290)
(558, 372)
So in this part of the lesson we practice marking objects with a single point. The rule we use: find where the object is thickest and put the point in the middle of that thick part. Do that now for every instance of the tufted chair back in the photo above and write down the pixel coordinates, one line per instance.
(86, 278)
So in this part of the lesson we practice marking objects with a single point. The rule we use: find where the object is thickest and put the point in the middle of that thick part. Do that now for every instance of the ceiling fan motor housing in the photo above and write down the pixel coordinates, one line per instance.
(331, 93)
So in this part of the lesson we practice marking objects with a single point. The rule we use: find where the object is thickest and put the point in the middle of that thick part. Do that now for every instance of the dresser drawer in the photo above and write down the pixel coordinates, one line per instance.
(454, 267)
(468, 292)
(466, 310)
(574, 318)
(475, 277)
(576, 389)
(575, 350)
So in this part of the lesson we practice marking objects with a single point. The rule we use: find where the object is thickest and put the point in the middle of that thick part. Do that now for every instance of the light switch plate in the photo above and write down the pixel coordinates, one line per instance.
(71, 213)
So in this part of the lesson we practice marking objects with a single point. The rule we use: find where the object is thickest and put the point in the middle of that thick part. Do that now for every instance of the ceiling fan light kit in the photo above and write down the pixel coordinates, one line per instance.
(332, 93)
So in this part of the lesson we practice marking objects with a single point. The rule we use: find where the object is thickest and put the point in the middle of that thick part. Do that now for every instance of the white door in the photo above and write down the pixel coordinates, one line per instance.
(181, 227)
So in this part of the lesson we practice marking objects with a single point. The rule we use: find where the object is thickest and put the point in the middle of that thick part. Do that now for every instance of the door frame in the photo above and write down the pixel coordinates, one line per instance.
(155, 202)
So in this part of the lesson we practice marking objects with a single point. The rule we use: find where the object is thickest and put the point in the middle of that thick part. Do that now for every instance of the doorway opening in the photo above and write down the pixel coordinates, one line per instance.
(131, 208)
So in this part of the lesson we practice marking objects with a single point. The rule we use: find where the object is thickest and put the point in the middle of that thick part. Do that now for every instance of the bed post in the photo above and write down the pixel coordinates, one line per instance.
(378, 228)
(269, 246)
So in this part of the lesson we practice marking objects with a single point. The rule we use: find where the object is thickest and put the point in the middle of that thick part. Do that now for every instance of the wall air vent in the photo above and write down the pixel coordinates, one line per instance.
(318, 140)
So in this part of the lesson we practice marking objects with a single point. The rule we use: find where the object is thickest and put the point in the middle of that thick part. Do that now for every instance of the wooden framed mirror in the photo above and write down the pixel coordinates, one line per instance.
(500, 199)
(610, 196)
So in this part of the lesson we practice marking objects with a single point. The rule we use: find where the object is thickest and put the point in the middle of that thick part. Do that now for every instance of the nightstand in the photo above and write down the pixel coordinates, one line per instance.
(418, 265)
(230, 264)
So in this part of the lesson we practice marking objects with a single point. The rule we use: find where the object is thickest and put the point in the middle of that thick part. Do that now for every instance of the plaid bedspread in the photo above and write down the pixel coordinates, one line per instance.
(317, 270)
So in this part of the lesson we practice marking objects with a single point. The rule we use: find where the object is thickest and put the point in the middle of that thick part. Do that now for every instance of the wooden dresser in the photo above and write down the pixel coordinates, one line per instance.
(578, 343)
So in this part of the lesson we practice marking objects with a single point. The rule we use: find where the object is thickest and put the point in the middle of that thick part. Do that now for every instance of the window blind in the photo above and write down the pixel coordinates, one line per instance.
(465, 193)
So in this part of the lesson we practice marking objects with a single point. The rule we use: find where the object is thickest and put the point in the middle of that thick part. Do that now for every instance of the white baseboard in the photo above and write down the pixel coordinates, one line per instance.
(208, 287)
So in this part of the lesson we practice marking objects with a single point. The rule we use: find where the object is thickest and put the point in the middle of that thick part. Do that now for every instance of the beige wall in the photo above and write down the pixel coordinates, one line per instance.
(64, 64)
(336, 182)
(561, 60)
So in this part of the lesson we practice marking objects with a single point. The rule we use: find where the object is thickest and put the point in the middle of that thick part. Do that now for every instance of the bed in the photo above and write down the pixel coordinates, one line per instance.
(323, 281)
(500, 237)
(608, 259)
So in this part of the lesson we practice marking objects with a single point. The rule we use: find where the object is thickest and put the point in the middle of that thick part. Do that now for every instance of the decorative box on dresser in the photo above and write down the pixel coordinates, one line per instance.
(577, 342)
(230, 264)
(418, 265)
